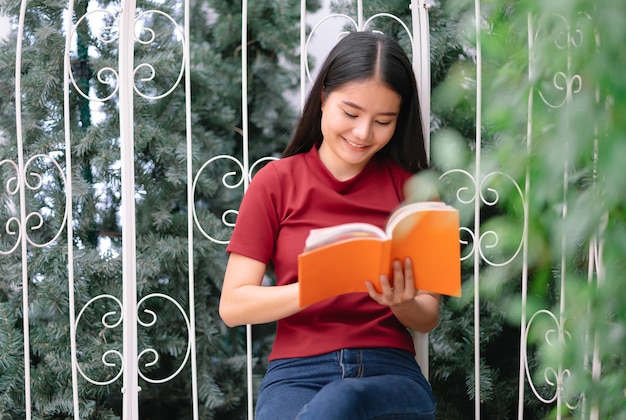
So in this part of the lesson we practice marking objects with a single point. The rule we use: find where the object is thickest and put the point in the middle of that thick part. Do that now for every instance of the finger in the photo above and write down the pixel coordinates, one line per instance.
(398, 277)
(409, 279)
(371, 290)
(385, 284)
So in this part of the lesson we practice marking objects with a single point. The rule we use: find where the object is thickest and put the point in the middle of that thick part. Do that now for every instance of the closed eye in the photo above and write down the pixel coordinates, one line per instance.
(352, 116)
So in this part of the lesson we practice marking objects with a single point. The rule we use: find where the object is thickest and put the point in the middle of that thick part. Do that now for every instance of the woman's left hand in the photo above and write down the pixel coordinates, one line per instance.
(417, 310)
(399, 293)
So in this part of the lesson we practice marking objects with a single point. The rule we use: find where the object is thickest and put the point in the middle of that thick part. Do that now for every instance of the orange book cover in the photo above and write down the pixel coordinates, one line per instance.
(339, 259)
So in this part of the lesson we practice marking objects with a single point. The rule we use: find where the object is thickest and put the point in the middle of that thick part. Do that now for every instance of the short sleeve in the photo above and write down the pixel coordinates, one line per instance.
(256, 226)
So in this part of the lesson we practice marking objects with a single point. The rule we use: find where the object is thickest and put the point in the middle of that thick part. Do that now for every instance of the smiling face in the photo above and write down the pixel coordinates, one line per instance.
(358, 119)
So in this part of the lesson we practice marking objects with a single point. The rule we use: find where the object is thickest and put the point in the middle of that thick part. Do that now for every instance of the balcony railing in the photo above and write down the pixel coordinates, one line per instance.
(28, 173)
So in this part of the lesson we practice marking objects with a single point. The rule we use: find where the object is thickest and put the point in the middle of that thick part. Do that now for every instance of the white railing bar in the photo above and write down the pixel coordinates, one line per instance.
(68, 207)
(246, 180)
(130, 387)
(304, 53)
(562, 275)
(21, 185)
(190, 215)
(420, 47)
(244, 91)
(421, 62)
(596, 362)
(477, 203)
(526, 204)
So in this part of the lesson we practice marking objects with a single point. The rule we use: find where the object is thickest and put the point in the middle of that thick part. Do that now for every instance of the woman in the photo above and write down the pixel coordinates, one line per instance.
(358, 141)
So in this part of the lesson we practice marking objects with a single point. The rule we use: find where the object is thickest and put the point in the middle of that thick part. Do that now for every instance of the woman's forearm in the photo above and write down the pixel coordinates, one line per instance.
(252, 304)
(245, 301)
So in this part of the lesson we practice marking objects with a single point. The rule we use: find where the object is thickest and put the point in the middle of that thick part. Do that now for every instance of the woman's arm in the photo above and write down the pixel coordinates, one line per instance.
(420, 314)
(415, 309)
(245, 301)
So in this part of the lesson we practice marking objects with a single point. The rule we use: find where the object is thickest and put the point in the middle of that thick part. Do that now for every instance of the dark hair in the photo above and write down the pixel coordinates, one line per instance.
(361, 56)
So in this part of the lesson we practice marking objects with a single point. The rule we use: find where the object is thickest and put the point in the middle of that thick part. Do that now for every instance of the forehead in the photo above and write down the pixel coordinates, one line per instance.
(359, 84)
(370, 93)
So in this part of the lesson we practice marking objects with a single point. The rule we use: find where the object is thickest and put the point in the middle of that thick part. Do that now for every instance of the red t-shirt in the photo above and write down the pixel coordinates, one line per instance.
(285, 200)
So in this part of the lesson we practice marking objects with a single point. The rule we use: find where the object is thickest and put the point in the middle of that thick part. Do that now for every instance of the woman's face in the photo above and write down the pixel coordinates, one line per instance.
(358, 120)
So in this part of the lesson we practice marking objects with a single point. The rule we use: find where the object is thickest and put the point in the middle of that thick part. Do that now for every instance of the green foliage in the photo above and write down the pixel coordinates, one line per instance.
(565, 141)
(551, 95)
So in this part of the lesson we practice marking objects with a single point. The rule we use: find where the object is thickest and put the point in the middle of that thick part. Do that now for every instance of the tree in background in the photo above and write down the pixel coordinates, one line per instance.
(161, 204)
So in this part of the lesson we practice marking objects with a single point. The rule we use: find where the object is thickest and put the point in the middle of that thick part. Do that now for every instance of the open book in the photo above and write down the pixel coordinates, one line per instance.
(339, 259)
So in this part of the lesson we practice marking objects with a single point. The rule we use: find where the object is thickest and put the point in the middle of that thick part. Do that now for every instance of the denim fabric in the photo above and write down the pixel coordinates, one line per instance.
(348, 384)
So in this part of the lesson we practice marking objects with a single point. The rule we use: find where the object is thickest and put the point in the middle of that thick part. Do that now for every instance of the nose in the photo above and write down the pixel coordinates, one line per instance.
(362, 129)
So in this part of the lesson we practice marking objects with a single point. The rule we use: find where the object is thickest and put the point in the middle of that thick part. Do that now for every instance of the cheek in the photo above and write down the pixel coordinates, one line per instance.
(324, 125)
(385, 133)
(331, 122)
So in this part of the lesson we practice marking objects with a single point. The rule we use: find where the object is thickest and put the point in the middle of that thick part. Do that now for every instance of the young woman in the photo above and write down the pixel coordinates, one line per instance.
(358, 141)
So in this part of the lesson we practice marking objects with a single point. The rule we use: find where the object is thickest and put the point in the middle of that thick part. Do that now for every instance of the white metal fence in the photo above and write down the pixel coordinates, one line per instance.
(127, 359)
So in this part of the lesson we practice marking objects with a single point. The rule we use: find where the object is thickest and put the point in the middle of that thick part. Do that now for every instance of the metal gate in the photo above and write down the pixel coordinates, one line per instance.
(22, 225)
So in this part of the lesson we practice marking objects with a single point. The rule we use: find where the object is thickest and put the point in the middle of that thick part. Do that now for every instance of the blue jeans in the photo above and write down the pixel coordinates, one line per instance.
(348, 384)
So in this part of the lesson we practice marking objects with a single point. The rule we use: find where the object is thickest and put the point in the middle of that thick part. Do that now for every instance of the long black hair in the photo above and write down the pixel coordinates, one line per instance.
(361, 56)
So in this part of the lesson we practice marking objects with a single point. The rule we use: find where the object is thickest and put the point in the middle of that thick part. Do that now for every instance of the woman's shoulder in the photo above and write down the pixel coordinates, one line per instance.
(279, 168)
(284, 164)
(289, 162)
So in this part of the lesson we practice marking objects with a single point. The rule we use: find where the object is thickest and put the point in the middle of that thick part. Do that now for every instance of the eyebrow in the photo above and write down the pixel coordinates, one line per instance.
(353, 105)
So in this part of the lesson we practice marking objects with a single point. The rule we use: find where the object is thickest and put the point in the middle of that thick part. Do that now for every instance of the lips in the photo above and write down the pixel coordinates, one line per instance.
(353, 144)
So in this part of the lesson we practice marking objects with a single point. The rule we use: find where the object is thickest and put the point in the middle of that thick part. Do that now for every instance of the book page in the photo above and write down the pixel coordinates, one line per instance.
(333, 234)
(406, 209)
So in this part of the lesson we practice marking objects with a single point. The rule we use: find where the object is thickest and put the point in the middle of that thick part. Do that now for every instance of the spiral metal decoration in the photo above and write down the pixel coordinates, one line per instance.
(566, 84)
(33, 178)
(145, 36)
(229, 180)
